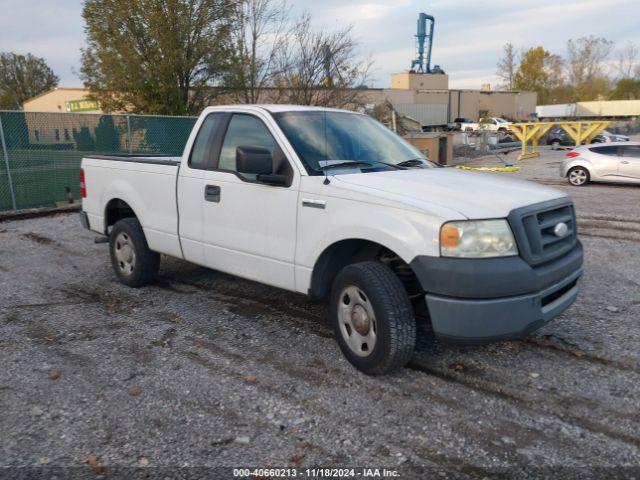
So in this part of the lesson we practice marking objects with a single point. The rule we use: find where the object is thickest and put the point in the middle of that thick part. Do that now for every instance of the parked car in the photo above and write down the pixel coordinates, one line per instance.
(458, 124)
(558, 137)
(334, 205)
(608, 137)
(602, 163)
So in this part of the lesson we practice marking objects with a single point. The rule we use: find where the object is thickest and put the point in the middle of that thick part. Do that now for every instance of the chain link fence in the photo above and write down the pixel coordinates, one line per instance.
(40, 153)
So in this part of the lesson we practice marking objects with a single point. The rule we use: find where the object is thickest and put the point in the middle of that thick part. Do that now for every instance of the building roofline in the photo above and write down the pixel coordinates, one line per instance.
(53, 90)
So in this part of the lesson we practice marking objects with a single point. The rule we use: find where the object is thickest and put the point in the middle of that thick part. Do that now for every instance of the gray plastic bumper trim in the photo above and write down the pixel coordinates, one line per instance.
(481, 321)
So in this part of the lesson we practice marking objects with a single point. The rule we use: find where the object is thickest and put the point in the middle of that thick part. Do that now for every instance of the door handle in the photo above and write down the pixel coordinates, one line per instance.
(212, 193)
(313, 203)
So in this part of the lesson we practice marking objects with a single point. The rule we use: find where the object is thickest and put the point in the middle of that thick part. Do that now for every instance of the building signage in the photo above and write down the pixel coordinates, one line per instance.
(82, 105)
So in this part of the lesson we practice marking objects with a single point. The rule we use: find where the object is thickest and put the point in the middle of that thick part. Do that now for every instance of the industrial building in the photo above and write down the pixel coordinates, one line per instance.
(63, 99)
(424, 97)
(427, 98)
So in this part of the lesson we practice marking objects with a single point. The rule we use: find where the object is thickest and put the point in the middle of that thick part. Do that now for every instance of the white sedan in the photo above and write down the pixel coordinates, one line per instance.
(602, 163)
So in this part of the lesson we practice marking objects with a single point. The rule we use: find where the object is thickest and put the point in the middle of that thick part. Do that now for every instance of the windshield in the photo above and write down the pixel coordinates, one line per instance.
(328, 138)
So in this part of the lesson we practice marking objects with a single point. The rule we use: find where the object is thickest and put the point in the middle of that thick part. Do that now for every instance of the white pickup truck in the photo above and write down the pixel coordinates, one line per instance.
(332, 204)
(490, 124)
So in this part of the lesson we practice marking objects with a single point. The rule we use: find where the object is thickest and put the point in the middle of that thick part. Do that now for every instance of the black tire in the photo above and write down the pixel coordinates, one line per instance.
(578, 176)
(146, 263)
(555, 145)
(394, 320)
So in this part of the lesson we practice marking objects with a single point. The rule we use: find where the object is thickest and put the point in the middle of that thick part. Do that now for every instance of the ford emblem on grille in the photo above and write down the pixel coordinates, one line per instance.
(560, 230)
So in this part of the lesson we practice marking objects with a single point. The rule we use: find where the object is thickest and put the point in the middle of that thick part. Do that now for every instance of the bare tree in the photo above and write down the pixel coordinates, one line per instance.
(586, 61)
(258, 38)
(320, 67)
(628, 61)
(507, 66)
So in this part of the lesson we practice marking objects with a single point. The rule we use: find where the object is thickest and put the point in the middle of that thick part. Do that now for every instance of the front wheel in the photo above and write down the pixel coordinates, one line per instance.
(372, 318)
(133, 262)
(578, 176)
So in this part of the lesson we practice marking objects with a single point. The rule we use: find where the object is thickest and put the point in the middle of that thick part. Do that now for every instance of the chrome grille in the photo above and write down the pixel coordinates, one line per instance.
(534, 225)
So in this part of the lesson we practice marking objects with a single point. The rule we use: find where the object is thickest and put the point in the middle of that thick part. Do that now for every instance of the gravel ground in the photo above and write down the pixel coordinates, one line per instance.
(204, 370)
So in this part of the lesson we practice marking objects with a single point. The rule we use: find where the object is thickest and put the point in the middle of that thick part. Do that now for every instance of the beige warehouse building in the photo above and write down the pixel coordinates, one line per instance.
(423, 97)
(63, 99)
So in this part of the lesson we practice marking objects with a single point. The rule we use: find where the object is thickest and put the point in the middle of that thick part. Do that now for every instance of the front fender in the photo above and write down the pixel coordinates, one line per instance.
(406, 233)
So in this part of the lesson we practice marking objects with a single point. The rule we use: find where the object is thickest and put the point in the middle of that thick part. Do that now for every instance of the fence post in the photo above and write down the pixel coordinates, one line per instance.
(129, 135)
(6, 162)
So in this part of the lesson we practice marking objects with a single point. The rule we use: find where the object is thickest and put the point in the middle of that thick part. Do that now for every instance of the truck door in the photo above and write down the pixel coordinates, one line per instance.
(629, 161)
(249, 227)
(190, 178)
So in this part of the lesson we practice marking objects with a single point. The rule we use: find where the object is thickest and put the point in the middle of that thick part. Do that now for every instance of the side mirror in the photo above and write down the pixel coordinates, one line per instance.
(254, 160)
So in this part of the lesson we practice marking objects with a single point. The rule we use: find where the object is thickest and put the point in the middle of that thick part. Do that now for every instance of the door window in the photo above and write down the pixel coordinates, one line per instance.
(631, 151)
(608, 150)
(202, 151)
(249, 131)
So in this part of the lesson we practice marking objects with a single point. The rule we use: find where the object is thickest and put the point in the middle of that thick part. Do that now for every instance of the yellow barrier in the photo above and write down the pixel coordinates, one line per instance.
(579, 131)
(512, 168)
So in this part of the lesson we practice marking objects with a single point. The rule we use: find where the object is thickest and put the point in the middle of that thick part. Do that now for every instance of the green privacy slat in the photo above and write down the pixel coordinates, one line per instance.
(44, 150)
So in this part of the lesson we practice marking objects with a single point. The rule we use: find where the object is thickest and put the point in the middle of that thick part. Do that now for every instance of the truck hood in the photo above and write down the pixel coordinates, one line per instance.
(475, 195)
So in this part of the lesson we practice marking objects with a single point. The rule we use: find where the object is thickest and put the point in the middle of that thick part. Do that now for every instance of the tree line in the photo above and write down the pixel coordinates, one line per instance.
(174, 57)
(592, 70)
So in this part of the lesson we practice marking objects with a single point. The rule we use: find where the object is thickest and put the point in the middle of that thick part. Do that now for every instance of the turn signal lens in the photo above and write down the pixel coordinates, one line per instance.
(449, 235)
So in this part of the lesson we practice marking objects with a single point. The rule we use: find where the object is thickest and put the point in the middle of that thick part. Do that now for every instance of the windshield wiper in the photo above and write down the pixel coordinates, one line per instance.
(356, 163)
(414, 162)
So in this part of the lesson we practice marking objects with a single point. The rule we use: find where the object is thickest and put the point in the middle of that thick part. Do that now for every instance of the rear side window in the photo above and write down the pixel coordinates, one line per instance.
(606, 150)
(631, 151)
(202, 151)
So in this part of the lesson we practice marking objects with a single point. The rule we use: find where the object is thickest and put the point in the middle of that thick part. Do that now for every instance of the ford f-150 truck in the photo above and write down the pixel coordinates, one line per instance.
(334, 205)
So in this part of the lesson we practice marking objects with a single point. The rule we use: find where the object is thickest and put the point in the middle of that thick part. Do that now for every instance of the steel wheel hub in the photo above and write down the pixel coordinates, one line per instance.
(125, 253)
(357, 321)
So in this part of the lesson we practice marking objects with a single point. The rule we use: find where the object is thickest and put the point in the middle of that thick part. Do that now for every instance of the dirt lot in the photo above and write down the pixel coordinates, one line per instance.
(205, 370)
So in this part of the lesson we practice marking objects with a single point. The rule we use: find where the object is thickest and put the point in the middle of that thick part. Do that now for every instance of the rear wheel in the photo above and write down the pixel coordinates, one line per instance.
(372, 318)
(555, 145)
(578, 176)
(133, 262)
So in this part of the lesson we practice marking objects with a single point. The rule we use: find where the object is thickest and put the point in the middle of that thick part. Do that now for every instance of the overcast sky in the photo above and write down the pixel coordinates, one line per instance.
(469, 34)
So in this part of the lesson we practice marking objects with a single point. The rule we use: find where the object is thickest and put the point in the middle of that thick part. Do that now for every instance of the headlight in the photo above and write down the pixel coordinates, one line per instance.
(477, 239)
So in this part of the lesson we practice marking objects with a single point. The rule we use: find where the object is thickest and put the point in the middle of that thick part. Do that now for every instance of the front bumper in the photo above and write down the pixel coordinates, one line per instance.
(486, 300)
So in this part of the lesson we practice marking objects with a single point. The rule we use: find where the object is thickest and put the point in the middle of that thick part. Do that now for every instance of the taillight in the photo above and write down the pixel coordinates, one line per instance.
(83, 186)
(573, 154)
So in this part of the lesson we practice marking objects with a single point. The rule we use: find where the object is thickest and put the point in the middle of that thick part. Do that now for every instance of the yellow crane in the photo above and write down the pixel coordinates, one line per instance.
(530, 134)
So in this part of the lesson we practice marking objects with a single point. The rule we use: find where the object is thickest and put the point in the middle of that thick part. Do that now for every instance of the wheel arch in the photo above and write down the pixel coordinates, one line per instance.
(117, 209)
(580, 163)
(353, 250)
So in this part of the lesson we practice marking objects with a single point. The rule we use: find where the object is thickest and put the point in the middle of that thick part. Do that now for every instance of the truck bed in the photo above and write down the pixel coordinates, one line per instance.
(148, 184)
